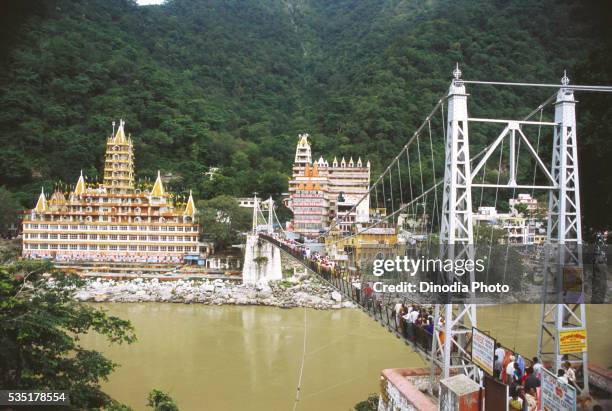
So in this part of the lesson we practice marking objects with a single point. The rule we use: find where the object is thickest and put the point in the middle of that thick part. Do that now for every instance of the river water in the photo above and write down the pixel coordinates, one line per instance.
(250, 357)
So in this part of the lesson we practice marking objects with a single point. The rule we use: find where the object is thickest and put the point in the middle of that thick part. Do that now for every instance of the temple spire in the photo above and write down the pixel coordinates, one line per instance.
(120, 136)
(302, 151)
(190, 209)
(80, 185)
(158, 187)
(41, 204)
(119, 162)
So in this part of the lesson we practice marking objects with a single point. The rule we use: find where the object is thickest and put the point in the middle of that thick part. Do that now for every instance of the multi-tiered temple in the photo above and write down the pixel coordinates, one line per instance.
(113, 221)
(320, 192)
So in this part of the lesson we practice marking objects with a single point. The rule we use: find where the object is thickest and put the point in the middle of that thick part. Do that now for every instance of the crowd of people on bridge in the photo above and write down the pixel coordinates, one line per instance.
(415, 323)
(524, 378)
(317, 260)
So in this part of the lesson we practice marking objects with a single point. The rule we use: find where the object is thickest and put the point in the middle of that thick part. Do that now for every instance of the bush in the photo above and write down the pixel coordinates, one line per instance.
(371, 404)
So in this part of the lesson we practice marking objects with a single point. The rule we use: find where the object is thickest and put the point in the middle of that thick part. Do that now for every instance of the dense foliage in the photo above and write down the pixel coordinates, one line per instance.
(229, 84)
(160, 401)
(224, 220)
(370, 404)
(40, 341)
(9, 207)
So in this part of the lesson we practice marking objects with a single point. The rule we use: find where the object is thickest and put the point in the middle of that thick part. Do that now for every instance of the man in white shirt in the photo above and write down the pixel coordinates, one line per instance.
(510, 370)
(414, 314)
(537, 368)
(570, 373)
(562, 376)
(500, 353)
(398, 315)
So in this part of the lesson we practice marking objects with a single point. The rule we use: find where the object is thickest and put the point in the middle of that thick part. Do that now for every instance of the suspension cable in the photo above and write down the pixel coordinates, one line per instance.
(501, 153)
(421, 174)
(433, 169)
(410, 179)
(391, 192)
(299, 386)
(396, 158)
(558, 86)
(411, 202)
(399, 176)
(537, 150)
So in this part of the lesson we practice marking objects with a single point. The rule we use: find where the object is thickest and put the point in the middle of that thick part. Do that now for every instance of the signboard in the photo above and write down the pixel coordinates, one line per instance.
(572, 279)
(483, 350)
(572, 341)
(556, 395)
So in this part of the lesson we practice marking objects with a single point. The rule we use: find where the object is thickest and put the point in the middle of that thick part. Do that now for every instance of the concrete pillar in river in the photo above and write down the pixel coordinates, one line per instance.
(262, 262)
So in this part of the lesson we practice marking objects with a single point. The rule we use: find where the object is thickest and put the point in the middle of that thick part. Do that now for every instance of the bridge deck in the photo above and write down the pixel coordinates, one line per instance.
(380, 310)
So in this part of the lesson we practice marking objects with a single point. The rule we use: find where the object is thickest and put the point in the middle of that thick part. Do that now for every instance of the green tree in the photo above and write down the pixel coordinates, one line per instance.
(215, 84)
(485, 233)
(9, 207)
(40, 340)
(223, 220)
(522, 209)
(371, 404)
(160, 401)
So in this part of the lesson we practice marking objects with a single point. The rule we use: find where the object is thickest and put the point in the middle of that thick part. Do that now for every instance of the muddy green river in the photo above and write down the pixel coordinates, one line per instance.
(249, 358)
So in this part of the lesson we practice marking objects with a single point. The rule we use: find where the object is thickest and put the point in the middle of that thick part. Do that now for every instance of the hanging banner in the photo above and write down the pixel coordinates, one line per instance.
(556, 395)
(572, 341)
(483, 350)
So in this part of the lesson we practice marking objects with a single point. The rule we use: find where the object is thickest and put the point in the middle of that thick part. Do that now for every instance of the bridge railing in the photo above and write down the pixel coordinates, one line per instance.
(381, 307)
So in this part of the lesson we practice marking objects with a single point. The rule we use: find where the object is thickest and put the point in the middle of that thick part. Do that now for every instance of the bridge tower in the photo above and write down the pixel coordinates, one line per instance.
(456, 235)
(262, 261)
(564, 248)
(270, 225)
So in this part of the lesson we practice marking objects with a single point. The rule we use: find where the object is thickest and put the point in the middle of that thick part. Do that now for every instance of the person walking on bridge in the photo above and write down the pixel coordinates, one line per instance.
(398, 314)
(509, 376)
(500, 353)
(570, 372)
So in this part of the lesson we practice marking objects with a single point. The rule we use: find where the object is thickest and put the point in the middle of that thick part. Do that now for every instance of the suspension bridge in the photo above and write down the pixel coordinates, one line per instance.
(428, 194)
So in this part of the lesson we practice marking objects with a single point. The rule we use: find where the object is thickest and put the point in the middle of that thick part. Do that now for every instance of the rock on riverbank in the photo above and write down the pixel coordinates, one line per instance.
(285, 294)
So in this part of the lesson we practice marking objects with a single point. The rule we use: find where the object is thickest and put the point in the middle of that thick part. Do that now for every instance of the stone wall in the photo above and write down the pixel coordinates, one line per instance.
(397, 393)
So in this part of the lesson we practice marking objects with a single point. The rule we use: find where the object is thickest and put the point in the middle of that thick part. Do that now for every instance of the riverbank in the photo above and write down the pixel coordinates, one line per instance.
(292, 292)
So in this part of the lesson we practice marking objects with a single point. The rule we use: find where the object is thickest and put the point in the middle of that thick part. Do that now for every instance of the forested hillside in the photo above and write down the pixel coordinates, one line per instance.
(231, 83)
